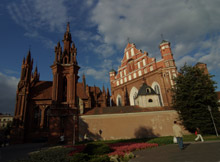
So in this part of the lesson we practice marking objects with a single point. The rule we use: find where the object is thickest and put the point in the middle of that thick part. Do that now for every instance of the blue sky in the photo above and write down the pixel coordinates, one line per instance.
(100, 29)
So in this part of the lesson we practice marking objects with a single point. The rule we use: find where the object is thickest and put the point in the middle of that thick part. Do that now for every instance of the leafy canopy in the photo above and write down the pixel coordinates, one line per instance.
(193, 92)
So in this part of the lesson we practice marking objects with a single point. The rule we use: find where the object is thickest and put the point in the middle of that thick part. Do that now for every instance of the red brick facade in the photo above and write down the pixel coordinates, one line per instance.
(137, 68)
(49, 109)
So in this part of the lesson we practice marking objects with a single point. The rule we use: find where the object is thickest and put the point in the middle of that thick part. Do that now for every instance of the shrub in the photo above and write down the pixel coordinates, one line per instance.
(97, 149)
(49, 155)
(79, 157)
(82, 157)
(53, 154)
(128, 156)
(104, 158)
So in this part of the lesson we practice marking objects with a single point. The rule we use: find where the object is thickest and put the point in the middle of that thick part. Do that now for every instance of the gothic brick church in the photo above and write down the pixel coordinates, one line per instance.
(49, 109)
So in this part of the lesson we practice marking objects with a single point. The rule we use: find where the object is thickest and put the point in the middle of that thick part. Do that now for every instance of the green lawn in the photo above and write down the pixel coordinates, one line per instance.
(160, 140)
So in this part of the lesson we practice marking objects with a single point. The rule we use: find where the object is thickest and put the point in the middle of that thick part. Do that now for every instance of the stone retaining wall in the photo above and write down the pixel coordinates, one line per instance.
(127, 125)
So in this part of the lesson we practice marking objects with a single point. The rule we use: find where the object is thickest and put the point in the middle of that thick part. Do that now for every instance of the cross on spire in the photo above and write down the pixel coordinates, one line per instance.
(128, 39)
(68, 27)
(162, 36)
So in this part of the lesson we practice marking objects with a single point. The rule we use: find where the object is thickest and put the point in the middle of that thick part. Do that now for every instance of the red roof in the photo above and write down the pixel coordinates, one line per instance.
(81, 92)
(123, 109)
(42, 90)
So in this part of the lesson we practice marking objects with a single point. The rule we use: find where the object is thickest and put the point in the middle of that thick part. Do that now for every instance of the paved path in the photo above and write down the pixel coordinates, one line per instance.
(19, 151)
(194, 152)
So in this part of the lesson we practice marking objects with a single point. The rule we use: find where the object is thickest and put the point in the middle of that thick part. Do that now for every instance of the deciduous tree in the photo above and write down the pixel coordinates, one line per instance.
(193, 92)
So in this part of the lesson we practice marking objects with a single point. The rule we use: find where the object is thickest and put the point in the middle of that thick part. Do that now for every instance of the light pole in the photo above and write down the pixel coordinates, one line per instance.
(210, 110)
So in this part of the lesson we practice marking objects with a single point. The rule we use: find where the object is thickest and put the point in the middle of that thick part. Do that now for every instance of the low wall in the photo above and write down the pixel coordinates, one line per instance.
(127, 125)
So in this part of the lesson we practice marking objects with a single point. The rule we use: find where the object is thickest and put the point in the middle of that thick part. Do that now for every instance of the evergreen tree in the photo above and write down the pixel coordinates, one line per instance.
(193, 92)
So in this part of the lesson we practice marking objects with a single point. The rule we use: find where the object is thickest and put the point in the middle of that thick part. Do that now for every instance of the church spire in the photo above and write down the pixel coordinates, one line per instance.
(68, 27)
(103, 90)
(84, 82)
(28, 59)
(67, 39)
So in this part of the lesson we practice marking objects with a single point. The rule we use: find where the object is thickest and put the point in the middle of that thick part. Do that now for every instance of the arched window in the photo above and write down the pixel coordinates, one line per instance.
(37, 117)
(118, 100)
(157, 89)
(150, 100)
(133, 95)
(130, 66)
(46, 117)
(64, 95)
(65, 61)
(148, 90)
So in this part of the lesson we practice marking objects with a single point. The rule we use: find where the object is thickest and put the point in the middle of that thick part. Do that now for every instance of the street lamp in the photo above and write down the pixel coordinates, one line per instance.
(210, 110)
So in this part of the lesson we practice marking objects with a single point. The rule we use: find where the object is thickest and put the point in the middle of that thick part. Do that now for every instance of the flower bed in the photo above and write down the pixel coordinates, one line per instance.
(121, 149)
(77, 149)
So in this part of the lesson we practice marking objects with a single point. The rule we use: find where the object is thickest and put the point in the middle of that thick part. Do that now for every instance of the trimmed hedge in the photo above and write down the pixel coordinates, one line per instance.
(79, 157)
(57, 154)
(82, 157)
(97, 149)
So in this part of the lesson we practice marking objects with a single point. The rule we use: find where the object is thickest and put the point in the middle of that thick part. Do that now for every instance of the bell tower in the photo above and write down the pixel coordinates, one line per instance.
(23, 89)
(65, 72)
(167, 54)
(64, 110)
(22, 100)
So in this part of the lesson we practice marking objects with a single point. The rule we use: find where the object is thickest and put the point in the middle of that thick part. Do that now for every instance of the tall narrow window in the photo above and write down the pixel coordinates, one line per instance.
(134, 75)
(46, 118)
(125, 72)
(118, 100)
(64, 96)
(139, 73)
(37, 117)
(120, 73)
(144, 62)
(127, 55)
(131, 66)
(139, 65)
(132, 52)
(65, 60)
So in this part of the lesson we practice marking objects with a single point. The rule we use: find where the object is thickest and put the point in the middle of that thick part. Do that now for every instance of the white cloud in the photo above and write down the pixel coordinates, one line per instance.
(186, 59)
(10, 72)
(46, 42)
(100, 75)
(8, 86)
(39, 14)
(89, 3)
(94, 43)
(100, 72)
(105, 50)
(87, 36)
(207, 51)
(212, 53)
(186, 24)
